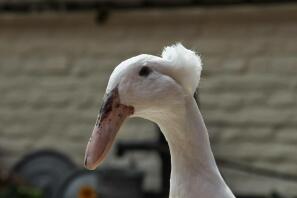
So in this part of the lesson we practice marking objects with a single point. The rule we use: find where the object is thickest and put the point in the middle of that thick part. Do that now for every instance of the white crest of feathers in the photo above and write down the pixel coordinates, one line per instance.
(186, 65)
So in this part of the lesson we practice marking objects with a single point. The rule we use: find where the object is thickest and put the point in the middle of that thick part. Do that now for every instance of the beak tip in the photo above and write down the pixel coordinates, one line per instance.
(88, 165)
(111, 116)
(86, 161)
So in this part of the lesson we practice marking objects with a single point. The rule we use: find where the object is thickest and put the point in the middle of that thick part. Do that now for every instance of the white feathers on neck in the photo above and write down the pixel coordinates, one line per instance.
(186, 65)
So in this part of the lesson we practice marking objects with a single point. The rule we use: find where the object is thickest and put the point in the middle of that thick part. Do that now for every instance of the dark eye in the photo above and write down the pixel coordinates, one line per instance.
(144, 71)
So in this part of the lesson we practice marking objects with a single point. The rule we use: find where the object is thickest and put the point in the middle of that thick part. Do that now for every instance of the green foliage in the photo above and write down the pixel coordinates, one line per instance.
(13, 191)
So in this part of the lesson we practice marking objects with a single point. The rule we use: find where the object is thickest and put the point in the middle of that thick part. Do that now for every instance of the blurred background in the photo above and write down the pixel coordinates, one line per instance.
(55, 60)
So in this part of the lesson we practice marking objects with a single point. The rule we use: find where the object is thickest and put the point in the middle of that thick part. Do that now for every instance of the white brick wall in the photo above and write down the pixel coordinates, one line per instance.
(54, 69)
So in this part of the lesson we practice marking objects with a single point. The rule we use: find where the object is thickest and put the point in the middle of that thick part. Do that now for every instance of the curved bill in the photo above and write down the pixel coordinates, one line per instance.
(111, 116)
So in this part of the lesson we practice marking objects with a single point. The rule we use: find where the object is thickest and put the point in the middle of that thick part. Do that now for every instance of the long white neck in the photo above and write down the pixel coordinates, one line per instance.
(194, 172)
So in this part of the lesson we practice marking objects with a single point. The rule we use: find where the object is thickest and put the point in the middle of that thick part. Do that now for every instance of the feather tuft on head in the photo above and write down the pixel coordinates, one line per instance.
(186, 64)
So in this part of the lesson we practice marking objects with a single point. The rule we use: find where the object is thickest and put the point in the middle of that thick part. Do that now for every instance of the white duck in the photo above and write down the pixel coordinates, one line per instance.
(161, 89)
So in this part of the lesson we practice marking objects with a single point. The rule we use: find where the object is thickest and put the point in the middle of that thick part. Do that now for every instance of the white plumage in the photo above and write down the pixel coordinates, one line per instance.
(186, 65)
(161, 89)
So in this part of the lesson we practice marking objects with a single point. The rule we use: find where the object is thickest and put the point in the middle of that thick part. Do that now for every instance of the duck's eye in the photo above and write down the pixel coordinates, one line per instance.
(144, 71)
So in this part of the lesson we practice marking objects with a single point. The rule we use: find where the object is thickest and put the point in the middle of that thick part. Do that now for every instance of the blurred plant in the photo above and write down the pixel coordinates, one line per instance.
(12, 187)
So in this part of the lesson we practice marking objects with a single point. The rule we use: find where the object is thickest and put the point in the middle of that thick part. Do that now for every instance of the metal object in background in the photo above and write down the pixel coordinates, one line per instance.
(80, 184)
(159, 146)
(103, 183)
(44, 169)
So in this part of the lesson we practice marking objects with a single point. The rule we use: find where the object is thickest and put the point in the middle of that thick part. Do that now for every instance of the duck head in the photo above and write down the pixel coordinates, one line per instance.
(143, 86)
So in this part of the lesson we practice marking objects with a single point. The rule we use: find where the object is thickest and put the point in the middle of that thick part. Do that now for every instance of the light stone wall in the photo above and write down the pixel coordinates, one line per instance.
(54, 69)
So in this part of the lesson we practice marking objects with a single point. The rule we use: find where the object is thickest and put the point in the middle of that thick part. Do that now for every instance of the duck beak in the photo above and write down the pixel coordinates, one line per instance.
(111, 116)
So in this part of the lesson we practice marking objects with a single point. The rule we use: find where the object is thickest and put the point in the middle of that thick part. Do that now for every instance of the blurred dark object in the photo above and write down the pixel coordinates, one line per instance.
(272, 195)
(159, 146)
(277, 195)
(13, 187)
(44, 170)
(243, 167)
(105, 182)
(102, 14)
(80, 5)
